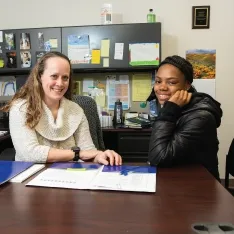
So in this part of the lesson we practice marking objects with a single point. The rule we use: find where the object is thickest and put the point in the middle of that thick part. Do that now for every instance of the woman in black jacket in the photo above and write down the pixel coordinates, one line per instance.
(185, 130)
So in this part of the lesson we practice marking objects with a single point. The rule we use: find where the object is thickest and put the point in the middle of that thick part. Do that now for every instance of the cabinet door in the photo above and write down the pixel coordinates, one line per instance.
(138, 33)
(134, 146)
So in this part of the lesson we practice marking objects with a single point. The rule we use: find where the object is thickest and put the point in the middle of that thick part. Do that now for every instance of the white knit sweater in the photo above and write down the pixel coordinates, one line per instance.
(69, 129)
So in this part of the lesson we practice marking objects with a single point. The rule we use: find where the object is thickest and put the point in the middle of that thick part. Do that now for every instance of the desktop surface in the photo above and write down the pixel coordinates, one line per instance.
(185, 195)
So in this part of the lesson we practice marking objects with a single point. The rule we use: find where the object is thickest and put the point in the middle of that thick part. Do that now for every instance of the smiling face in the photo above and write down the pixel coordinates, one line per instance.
(168, 80)
(55, 79)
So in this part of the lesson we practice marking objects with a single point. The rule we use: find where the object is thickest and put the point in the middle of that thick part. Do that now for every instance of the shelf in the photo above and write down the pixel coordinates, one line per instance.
(5, 98)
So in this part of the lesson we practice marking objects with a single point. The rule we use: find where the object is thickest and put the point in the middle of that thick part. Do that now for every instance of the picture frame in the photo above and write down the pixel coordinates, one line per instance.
(200, 17)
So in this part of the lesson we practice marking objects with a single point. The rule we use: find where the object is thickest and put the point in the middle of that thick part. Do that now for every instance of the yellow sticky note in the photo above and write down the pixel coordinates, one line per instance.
(141, 87)
(105, 62)
(105, 48)
(76, 169)
(96, 56)
(53, 43)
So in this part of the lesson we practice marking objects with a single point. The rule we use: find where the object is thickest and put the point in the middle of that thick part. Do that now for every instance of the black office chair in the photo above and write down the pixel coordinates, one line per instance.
(229, 167)
(90, 109)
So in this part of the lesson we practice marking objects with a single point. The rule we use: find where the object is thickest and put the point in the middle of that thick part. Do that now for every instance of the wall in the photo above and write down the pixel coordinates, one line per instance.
(177, 34)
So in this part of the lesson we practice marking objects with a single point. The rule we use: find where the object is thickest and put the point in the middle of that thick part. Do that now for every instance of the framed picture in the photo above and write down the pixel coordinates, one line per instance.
(201, 17)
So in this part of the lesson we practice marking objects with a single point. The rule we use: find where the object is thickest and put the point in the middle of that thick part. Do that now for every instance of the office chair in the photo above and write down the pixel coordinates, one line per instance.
(90, 109)
(229, 167)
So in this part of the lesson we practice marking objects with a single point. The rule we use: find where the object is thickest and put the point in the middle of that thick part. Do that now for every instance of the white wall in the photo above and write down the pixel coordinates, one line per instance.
(177, 34)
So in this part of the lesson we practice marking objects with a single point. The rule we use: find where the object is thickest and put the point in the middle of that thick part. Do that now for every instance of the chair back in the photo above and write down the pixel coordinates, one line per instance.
(229, 166)
(90, 109)
(230, 159)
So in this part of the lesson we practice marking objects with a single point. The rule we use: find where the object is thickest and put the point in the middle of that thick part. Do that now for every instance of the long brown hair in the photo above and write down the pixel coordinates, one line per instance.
(32, 90)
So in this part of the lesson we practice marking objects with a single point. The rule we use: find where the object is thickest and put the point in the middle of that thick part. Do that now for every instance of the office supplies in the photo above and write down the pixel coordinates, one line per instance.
(97, 177)
(27, 173)
(138, 122)
(9, 169)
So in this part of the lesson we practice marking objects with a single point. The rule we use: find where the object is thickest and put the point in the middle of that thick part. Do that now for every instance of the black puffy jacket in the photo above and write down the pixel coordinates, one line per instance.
(188, 134)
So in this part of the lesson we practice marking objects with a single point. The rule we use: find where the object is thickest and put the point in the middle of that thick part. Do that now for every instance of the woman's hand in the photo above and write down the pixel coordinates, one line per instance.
(181, 98)
(108, 157)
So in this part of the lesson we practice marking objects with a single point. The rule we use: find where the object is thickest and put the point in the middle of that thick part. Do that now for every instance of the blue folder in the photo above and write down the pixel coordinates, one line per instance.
(10, 169)
(125, 169)
(74, 165)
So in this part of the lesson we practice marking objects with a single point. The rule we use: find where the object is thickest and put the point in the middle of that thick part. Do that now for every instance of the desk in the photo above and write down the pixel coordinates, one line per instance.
(184, 196)
(131, 144)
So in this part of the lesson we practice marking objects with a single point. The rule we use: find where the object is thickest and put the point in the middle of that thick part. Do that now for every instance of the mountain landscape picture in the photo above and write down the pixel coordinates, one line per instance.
(203, 62)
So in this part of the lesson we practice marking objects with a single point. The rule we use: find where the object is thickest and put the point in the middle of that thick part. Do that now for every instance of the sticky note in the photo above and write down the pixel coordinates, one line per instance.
(76, 169)
(105, 62)
(53, 43)
(96, 56)
(105, 48)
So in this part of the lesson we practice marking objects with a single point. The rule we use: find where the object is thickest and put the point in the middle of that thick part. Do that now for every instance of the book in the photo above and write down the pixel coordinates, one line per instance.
(97, 177)
(9, 169)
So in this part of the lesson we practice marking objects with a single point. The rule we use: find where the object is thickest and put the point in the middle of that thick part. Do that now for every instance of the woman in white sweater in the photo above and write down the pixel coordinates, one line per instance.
(45, 125)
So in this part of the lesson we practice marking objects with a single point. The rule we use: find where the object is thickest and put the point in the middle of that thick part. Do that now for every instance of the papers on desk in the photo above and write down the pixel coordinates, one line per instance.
(97, 177)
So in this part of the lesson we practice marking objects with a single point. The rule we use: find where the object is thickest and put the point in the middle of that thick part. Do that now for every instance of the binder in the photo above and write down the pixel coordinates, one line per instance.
(10, 169)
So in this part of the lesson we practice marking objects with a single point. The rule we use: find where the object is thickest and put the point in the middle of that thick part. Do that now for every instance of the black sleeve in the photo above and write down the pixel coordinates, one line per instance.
(169, 144)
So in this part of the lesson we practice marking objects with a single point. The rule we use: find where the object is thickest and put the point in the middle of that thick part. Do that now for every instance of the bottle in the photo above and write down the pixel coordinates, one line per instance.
(118, 113)
(151, 17)
(106, 13)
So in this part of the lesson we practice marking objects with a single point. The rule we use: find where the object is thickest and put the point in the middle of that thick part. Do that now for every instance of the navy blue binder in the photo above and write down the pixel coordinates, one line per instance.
(10, 169)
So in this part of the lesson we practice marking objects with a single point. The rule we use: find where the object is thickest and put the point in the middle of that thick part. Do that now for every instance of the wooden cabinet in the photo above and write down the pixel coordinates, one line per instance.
(131, 144)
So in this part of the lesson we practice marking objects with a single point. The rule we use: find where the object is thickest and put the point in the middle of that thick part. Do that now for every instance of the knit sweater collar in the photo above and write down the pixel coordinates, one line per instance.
(68, 119)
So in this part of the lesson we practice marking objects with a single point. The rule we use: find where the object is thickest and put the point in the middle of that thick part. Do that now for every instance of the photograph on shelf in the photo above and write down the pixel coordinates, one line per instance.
(7, 88)
(25, 43)
(25, 59)
(1, 62)
(10, 41)
(79, 49)
(41, 40)
(39, 54)
(11, 60)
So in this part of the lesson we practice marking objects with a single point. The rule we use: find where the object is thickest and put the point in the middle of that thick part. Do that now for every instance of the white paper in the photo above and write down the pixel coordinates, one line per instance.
(1, 36)
(79, 49)
(95, 179)
(138, 182)
(87, 82)
(144, 54)
(62, 178)
(205, 86)
(118, 88)
(27, 173)
(119, 48)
